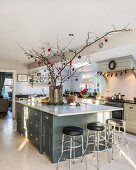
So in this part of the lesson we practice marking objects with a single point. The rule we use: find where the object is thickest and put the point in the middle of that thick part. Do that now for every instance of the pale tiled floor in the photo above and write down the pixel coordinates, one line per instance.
(16, 153)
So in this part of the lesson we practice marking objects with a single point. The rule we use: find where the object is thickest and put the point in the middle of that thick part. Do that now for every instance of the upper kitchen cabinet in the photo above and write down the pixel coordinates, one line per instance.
(130, 117)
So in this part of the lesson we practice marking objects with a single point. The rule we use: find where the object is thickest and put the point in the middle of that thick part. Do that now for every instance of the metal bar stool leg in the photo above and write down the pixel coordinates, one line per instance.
(62, 148)
(106, 146)
(97, 150)
(71, 145)
(73, 142)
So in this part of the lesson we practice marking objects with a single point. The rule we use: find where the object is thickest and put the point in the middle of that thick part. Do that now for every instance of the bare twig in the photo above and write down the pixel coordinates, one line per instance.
(62, 53)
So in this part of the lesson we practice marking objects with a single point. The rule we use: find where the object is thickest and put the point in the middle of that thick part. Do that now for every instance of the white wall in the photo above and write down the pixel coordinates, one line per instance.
(22, 87)
(20, 68)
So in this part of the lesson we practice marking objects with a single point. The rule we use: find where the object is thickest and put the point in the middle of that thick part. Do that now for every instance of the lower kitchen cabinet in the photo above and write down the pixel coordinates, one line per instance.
(47, 133)
(34, 128)
(21, 119)
(130, 117)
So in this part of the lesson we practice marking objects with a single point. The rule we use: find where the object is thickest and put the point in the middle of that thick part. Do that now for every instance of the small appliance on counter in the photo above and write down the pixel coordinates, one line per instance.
(134, 99)
(117, 97)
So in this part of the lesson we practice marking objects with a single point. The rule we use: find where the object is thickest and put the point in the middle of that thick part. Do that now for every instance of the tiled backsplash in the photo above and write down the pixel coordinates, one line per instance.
(125, 84)
(27, 88)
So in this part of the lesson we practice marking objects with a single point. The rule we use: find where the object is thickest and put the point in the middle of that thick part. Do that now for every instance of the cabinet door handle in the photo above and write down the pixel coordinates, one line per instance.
(36, 139)
(35, 114)
(46, 117)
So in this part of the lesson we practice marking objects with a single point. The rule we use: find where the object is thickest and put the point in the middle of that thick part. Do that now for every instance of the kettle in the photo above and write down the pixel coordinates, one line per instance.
(118, 96)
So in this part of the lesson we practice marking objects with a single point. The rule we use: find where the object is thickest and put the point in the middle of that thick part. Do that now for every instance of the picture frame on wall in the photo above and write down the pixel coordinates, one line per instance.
(22, 77)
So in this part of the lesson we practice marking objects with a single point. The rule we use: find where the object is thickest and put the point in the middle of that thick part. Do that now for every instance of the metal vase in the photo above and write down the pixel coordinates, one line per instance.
(56, 94)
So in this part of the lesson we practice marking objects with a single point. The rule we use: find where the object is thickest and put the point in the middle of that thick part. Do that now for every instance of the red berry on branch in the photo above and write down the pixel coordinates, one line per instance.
(73, 69)
(52, 64)
(60, 68)
(70, 62)
(106, 40)
(39, 63)
(76, 79)
(79, 57)
(49, 82)
(49, 49)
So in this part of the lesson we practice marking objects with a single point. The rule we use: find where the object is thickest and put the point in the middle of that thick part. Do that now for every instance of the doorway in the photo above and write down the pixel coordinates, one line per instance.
(7, 93)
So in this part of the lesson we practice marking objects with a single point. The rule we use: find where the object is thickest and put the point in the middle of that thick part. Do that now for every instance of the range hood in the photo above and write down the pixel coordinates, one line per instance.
(117, 64)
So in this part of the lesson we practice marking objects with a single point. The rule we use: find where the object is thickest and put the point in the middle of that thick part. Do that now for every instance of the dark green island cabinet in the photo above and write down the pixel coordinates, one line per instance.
(42, 124)
(36, 126)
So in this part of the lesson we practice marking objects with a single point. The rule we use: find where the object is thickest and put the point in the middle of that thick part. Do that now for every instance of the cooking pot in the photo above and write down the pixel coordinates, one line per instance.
(122, 97)
(118, 96)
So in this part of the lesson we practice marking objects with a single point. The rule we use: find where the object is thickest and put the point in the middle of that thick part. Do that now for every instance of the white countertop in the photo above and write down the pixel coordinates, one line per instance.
(67, 110)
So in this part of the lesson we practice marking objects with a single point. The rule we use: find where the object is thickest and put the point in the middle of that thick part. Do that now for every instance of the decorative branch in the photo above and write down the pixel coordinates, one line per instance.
(55, 70)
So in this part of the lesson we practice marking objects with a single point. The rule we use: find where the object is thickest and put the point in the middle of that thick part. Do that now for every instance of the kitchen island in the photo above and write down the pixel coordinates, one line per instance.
(42, 124)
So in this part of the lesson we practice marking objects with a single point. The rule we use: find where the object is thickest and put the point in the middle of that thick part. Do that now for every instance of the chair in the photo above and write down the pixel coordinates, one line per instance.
(97, 138)
(72, 142)
(4, 103)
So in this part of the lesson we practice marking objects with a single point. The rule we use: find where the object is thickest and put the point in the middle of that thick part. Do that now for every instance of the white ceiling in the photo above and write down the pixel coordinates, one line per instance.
(31, 22)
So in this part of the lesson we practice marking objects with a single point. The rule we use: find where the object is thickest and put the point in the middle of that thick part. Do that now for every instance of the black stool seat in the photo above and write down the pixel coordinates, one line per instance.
(117, 121)
(72, 131)
(96, 126)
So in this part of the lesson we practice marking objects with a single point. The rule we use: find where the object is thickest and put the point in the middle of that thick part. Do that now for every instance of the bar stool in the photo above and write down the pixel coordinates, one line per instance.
(117, 133)
(96, 136)
(72, 141)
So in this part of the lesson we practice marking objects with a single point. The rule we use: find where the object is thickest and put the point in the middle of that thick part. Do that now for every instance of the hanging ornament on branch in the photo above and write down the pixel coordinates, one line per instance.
(48, 54)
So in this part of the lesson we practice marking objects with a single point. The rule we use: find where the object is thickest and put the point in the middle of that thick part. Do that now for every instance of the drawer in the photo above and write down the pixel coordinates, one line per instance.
(130, 107)
(47, 117)
(34, 138)
(34, 114)
(34, 126)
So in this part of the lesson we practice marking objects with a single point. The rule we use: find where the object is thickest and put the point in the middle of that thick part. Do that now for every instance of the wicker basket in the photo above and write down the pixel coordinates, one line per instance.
(70, 99)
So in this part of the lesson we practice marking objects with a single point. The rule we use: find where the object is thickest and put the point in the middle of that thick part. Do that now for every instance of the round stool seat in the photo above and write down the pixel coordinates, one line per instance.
(96, 126)
(72, 131)
(116, 122)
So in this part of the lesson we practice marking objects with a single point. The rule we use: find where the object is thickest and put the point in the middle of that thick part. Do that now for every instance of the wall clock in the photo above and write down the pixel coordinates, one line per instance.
(112, 65)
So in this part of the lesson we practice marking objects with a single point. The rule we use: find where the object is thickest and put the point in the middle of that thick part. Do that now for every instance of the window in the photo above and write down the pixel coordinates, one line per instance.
(90, 82)
(7, 88)
(8, 82)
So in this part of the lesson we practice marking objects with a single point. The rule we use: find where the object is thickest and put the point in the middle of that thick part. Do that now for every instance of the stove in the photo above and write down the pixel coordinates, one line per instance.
(118, 114)
(120, 101)
(115, 104)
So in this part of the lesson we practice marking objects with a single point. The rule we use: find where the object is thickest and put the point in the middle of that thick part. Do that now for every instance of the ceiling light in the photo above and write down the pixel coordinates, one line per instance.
(71, 34)
(125, 70)
(77, 65)
(121, 73)
(111, 75)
